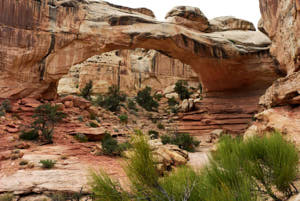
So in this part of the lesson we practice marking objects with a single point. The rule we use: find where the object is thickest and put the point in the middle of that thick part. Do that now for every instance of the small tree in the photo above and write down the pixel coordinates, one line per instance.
(46, 118)
(145, 100)
(182, 90)
(112, 99)
(87, 90)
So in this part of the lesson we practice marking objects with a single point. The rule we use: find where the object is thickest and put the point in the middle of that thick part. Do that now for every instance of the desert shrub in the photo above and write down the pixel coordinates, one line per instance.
(47, 164)
(172, 101)
(124, 146)
(153, 134)
(31, 134)
(131, 105)
(123, 118)
(160, 126)
(2, 113)
(6, 197)
(145, 100)
(110, 145)
(23, 162)
(6, 106)
(182, 90)
(175, 109)
(80, 118)
(81, 137)
(200, 88)
(112, 99)
(182, 140)
(87, 90)
(46, 117)
(270, 163)
(93, 124)
(158, 96)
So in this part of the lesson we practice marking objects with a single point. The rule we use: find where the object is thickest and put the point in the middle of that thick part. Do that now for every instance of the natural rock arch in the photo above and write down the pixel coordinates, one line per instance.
(41, 39)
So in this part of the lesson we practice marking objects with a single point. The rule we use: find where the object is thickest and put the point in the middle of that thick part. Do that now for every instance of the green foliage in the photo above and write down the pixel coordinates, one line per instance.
(80, 118)
(269, 162)
(123, 118)
(6, 197)
(6, 106)
(131, 105)
(81, 137)
(200, 88)
(23, 162)
(182, 90)
(87, 90)
(93, 125)
(46, 116)
(160, 126)
(238, 170)
(110, 146)
(32, 134)
(47, 164)
(153, 134)
(182, 140)
(145, 100)
(112, 99)
(172, 101)
(158, 96)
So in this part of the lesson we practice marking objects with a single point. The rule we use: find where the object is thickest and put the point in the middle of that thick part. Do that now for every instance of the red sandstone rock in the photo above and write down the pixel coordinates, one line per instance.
(47, 40)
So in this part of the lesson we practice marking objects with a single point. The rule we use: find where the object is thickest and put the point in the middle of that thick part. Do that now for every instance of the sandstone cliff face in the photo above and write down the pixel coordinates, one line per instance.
(41, 40)
(281, 21)
(133, 69)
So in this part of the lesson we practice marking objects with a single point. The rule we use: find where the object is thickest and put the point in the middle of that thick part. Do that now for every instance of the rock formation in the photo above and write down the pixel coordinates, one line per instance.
(132, 69)
(281, 21)
(41, 40)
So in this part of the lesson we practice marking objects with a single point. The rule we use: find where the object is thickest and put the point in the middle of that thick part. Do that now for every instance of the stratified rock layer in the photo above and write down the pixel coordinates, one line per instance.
(41, 40)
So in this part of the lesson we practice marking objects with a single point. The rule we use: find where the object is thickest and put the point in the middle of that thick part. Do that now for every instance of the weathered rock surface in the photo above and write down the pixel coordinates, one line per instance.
(284, 91)
(227, 23)
(281, 21)
(190, 17)
(131, 69)
(41, 40)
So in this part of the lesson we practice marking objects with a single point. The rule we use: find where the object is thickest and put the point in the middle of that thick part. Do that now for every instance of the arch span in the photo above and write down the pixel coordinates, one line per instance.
(41, 39)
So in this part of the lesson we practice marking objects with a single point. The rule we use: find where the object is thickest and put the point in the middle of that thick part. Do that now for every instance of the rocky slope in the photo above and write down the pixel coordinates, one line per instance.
(41, 40)
(131, 69)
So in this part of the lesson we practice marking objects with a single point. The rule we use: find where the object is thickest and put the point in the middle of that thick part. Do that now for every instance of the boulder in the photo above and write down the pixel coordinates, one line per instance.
(227, 23)
(172, 95)
(190, 17)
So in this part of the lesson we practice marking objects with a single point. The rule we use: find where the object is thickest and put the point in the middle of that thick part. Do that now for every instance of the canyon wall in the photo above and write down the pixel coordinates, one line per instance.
(132, 69)
(281, 21)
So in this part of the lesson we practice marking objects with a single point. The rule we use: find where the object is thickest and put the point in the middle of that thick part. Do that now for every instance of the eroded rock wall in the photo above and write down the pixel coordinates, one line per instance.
(132, 69)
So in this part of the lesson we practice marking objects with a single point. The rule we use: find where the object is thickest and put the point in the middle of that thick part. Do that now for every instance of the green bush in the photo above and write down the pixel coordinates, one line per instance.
(123, 118)
(269, 163)
(6, 106)
(93, 125)
(227, 177)
(153, 134)
(81, 137)
(182, 140)
(131, 105)
(23, 162)
(182, 90)
(6, 197)
(160, 126)
(110, 145)
(158, 96)
(145, 100)
(47, 164)
(112, 99)
(46, 117)
(86, 92)
(172, 101)
(32, 134)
